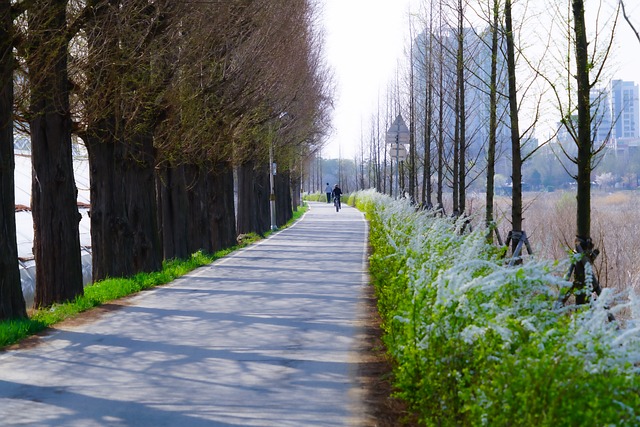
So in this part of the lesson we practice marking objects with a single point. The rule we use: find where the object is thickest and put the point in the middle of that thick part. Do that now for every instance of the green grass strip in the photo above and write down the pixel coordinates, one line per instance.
(96, 294)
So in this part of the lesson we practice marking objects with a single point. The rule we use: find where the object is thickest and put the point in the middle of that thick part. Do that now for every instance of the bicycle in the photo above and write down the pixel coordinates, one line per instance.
(336, 203)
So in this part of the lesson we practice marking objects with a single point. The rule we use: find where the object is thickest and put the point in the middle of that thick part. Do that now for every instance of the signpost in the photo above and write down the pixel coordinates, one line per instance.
(400, 153)
(397, 136)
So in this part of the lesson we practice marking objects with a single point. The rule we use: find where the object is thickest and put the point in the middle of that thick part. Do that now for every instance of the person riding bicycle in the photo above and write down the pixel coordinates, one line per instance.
(336, 193)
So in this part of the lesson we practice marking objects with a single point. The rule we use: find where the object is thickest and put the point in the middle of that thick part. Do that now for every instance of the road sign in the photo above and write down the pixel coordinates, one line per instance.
(399, 152)
(398, 133)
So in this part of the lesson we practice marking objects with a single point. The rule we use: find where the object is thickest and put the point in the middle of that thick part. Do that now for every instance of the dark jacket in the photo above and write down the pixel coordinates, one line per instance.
(337, 192)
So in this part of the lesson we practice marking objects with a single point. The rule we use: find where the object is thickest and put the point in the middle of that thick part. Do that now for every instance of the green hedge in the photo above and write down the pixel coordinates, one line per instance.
(478, 343)
(315, 197)
(322, 197)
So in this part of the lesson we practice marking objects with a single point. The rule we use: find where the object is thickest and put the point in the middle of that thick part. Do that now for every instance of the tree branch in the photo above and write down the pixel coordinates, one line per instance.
(626, 18)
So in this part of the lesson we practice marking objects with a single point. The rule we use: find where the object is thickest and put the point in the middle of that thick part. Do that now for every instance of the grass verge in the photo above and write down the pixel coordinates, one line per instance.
(96, 294)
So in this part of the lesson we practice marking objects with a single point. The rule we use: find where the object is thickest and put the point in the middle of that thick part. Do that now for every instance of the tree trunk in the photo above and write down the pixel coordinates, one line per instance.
(296, 185)
(54, 203)
(211, 225)
(111, 234)
(253, 198)
(222, 223)
(456, 149)
(138, 182)
(412, 137)
(493, 122)
(197, 208)
(462, 169)
(584, 147)
(124, 210)
(428, 59)
(124, 225)
(284, 210)
(516, 158)
(172, 191)
(391, 173)
(12, 303)
(440, 117)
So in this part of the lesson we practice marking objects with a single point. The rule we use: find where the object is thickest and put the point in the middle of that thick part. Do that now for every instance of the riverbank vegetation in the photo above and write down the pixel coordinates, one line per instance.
(475, 342)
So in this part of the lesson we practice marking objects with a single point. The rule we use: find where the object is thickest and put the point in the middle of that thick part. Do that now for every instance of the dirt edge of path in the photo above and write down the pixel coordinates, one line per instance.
(375, 373)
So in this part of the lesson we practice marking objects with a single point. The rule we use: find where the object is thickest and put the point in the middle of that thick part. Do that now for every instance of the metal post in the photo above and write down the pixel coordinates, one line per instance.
(397, 133)
(398, 163)
(272, 196)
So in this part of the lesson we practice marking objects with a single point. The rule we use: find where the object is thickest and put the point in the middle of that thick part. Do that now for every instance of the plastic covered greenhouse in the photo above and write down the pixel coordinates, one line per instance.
(24, 220)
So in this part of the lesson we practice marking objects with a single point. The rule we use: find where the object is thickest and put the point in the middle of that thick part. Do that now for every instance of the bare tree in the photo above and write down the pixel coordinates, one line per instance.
(461, 128)
(12, 303)
(586, 153)
(428, 66)
(516, 156)
(441, 113)
(55, 213)
(586, 68)
(124, 78)
(413, 161)
(293, 103)
(493, 110)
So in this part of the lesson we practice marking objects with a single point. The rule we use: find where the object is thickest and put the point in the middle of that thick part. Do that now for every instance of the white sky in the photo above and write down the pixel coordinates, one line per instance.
(364, 42)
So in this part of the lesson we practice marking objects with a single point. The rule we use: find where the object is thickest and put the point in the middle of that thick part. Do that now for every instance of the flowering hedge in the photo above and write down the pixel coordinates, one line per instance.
(478, 343)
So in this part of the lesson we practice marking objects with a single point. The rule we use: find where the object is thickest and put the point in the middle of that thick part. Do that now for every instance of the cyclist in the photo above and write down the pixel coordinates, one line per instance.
(336, 193)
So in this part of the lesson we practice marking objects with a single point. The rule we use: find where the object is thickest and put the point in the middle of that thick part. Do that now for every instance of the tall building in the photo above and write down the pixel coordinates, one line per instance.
(600, 101)
(439, 47)
(625, 109)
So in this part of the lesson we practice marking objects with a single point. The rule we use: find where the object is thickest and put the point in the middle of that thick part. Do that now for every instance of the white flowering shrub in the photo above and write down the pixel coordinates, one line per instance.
(479, 343)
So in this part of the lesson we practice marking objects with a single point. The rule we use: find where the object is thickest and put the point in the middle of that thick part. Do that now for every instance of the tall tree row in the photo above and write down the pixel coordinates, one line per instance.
(463, 80)
(169, 98)
(437, 105)
(120, 120)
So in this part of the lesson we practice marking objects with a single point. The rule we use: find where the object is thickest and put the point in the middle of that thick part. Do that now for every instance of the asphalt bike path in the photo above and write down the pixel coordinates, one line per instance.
(267, 336)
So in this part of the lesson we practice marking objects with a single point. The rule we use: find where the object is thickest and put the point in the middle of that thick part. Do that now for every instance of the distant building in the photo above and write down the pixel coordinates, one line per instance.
(601, 124)
(615, 119)
(477, 63)
(625, 109)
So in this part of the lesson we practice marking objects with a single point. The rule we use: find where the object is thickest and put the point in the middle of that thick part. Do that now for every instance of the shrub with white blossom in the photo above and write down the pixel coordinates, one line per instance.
(476, 342)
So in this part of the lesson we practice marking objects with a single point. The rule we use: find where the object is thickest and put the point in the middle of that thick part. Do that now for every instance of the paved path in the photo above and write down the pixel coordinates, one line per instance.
(264, 337)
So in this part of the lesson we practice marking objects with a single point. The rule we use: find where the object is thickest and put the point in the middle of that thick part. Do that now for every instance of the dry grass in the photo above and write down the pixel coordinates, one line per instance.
(550, 223)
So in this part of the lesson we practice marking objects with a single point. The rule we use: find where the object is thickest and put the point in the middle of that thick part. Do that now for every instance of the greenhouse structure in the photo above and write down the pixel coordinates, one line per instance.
(24, 221)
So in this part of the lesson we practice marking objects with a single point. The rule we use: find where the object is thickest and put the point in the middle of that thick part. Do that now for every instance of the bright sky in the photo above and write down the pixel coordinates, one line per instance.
(366, 39)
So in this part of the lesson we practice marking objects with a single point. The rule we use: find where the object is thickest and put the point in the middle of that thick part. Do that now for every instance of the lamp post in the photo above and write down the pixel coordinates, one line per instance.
(272, 195)
(272, 171)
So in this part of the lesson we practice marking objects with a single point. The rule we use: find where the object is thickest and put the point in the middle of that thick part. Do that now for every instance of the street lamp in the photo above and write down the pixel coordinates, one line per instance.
(272, 174)
(272, 195)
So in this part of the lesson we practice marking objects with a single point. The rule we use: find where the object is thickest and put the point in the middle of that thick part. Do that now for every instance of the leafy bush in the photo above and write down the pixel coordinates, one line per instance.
(322, 197)
(315, 197)
(478, 343)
